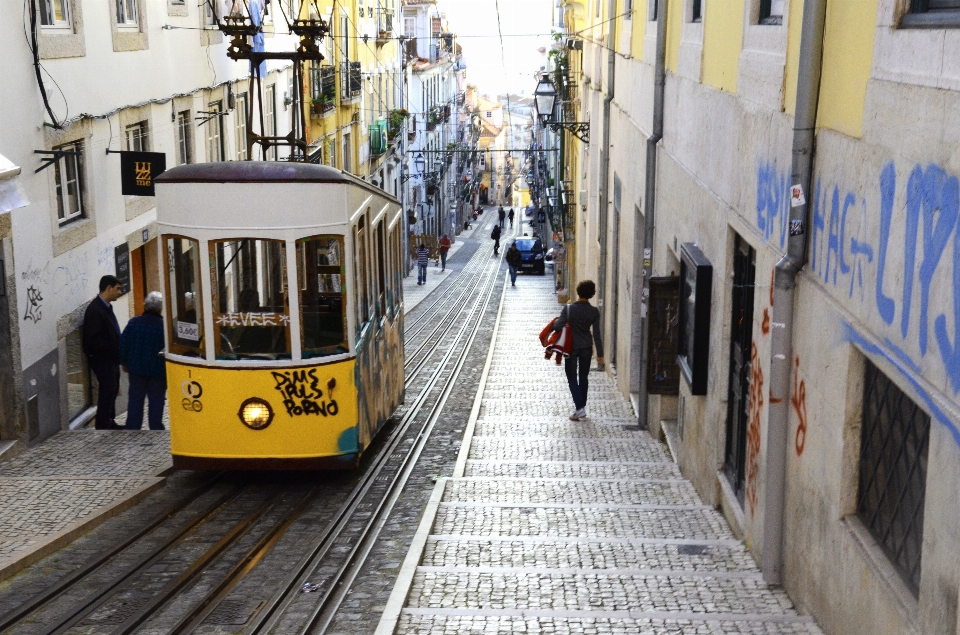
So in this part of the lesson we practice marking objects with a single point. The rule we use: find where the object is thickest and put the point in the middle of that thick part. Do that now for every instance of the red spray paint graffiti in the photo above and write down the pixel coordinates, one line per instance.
(765, 325)
(799, 401)
(755, 407)
(773, 279)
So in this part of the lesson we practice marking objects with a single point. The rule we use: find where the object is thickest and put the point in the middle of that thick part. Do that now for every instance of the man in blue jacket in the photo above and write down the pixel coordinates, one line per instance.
(101, 344)
(141, 346)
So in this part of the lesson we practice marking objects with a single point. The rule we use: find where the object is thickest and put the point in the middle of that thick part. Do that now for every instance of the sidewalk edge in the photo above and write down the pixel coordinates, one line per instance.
(401, 588)
(77, 529)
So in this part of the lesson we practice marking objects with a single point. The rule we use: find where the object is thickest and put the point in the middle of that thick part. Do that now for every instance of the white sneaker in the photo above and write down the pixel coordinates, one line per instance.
(578, 415)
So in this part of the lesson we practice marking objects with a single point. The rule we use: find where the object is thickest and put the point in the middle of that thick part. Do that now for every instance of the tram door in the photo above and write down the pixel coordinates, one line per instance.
(741, 344)
(144, 273)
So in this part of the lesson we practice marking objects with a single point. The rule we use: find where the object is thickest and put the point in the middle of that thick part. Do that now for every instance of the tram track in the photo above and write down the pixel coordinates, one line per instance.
(358, 520)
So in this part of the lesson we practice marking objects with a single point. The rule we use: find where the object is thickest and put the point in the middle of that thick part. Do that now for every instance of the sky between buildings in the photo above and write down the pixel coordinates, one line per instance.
(525, 25)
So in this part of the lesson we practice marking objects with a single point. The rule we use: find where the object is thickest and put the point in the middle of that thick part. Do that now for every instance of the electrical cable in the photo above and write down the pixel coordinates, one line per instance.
(33, 45)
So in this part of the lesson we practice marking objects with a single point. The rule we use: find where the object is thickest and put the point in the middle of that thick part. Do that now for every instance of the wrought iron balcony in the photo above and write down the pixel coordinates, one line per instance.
(323, 89)
(351, 80)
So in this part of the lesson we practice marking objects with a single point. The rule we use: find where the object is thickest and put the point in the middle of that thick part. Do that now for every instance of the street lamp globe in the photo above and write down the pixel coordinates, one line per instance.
(419, 161)
(545, 97)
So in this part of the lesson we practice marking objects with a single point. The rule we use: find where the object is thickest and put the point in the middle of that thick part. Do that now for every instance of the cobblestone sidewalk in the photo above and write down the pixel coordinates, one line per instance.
(62, 488)
(561, 527)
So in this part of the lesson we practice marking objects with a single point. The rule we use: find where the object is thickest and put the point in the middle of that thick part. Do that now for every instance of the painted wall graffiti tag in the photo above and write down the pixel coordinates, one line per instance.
(856, 244)
(302, 394)
(754, 408)
(799, 401)
(34, 305)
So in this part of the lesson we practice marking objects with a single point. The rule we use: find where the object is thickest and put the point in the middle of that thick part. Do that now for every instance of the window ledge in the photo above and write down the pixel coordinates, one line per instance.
(887, 577)
(931, 20)
(73, 234)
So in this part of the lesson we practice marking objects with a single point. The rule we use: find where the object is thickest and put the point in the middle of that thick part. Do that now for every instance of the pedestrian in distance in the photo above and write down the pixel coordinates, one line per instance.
(501, 215)
(583, 317)
(513, 262)
(444, 248)
(101, 345)
(141, 357)
(423, 256)
(510, 215)
(495, 234)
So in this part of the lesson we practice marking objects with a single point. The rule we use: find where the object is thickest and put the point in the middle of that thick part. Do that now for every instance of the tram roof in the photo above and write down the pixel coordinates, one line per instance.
(262, 172)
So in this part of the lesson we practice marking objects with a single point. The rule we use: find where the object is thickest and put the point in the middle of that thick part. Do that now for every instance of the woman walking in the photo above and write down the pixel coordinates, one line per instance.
(582, 317)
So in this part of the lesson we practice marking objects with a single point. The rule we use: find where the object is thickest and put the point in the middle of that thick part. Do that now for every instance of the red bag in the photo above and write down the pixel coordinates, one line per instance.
(556, 342)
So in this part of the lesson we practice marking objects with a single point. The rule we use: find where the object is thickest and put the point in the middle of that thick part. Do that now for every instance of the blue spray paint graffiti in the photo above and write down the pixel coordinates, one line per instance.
(844, 251)
(773, 202)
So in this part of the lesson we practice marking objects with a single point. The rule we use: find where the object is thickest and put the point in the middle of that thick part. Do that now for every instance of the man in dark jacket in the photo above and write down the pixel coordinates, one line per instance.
(101, 344)
(501, 215)
(583, 317)
(514, 258)
(495, 234)
(141, 346)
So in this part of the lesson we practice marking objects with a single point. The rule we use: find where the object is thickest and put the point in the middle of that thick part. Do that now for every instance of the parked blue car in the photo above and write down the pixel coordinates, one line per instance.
(531, 255)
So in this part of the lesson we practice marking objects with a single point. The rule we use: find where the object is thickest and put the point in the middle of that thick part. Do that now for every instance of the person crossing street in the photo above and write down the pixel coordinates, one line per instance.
(501, 215)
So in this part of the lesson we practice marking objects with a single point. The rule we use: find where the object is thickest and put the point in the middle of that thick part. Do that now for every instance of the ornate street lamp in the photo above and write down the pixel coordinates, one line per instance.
(420, 162)
(545, 100)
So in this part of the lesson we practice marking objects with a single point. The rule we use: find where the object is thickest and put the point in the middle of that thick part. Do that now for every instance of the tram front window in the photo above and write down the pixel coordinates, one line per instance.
(250, 299)
(321, 277)
(183, 297)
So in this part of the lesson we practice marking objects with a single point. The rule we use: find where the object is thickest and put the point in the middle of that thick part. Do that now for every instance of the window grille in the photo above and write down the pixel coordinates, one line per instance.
(697, 14)
(270, 116)
(68, 175)
(894, 444)
(184, 138)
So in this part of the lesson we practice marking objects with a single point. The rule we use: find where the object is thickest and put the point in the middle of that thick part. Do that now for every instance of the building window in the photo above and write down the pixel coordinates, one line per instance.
(653, 10)
(894, 443)
(214, 131)
(210, 13)
(127, 13)
(184, 138)
(270, 116)
(409, 26)
(347, 153)
(241, 116)
(138, 137)
(55, 13)
(697, 13)
(771, 11)
(331, 153)
(68, 174)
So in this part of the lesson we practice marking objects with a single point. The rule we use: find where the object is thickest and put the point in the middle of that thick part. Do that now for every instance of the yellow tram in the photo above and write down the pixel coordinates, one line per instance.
(284, 314)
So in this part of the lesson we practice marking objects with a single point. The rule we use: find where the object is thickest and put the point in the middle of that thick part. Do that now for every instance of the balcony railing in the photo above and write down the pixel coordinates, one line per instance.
(434, 117)
(323, 85)
(351, 80)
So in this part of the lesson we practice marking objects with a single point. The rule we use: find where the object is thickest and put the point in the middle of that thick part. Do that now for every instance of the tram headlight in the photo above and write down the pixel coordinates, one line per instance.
(255, 413)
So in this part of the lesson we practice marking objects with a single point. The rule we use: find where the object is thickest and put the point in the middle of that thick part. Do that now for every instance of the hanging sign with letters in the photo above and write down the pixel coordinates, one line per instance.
(139, 169)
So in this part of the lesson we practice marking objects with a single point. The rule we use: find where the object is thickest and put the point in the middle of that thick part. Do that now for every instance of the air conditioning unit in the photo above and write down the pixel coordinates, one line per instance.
(575, 44)
(355, 118)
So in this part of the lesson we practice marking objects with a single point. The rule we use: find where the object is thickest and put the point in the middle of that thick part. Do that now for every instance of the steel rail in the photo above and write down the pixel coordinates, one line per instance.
(268, 617)
(346, 574)
(106, 589)
(44, 597)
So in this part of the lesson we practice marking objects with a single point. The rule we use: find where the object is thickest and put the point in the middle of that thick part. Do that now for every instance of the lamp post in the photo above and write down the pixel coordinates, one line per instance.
(545, 100)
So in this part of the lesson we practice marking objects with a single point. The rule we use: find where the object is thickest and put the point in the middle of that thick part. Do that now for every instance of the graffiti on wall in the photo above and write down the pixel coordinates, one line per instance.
(856, 240)
(34, 305)
(799, 401)
(754, 410)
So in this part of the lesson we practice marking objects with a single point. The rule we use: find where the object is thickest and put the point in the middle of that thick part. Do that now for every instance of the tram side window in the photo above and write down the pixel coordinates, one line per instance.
(250, 299)
(397, 269)
(321, 277)
(363, 302)
(185, 303)
(382, 268)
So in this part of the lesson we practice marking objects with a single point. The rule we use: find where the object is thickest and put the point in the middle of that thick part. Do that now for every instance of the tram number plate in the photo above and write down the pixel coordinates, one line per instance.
(188, 331)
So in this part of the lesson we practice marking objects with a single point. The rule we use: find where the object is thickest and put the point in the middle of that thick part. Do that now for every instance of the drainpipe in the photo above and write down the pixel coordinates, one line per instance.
(604, 193)
(785, 274)
(650, 203)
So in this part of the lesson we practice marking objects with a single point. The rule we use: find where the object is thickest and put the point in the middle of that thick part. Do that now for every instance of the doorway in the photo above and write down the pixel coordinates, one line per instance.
(144, 273)
(741, 345)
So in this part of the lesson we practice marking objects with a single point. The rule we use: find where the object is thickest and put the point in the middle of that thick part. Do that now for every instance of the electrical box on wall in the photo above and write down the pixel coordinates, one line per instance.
(696, 279)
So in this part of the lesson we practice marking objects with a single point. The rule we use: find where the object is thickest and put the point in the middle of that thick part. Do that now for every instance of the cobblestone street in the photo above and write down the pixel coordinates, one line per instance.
(553, 526)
